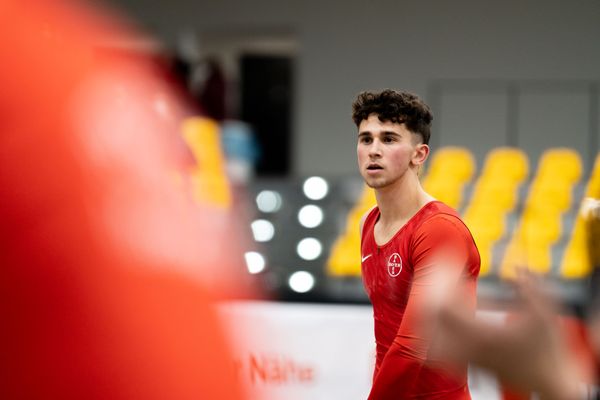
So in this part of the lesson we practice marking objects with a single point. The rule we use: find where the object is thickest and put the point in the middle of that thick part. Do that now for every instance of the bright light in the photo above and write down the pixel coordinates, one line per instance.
(262, 230)
(268, 201)
(309, 248)
(315, 188)
(301, 281)
(255, 262)
(310, 216)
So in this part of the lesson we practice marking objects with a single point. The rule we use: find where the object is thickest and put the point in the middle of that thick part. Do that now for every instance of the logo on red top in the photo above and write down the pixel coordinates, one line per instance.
(394, 265)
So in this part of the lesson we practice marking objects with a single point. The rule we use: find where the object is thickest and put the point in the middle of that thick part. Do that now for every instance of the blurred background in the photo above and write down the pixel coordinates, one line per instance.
(514, 88)
(515, 91)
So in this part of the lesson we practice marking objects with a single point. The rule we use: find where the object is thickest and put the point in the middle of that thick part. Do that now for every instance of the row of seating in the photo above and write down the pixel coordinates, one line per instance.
(495, 196)
(549, 197)
(502, 192)
(576, 261)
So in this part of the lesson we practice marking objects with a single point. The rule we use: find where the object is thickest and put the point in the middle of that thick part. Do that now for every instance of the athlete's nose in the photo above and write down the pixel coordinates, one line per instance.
(375, 149)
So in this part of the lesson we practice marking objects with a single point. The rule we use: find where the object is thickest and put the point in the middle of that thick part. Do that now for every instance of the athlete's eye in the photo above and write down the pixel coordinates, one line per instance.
(388, 139)
(365, 139)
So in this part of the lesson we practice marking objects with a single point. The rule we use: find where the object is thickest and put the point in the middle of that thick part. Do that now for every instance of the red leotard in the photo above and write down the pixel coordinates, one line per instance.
(398, 277)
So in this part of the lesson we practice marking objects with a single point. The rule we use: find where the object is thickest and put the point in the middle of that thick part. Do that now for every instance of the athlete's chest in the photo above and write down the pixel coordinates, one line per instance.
(387, 271)
(385, 233)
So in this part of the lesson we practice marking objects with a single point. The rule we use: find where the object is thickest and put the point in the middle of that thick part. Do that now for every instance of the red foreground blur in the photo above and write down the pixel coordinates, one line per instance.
(104, 263)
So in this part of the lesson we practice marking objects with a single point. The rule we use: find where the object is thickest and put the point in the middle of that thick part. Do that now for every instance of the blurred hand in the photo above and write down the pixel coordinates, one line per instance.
(529, 354)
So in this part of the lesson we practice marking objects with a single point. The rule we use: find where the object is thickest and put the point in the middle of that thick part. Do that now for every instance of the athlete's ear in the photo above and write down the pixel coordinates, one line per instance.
(420, 154)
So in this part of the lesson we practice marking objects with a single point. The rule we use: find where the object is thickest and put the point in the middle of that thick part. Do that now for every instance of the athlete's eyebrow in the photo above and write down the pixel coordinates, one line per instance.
(383, 133)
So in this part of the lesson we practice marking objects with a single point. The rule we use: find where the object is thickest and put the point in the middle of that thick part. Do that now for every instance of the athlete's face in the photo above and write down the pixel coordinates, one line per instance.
(387, 151)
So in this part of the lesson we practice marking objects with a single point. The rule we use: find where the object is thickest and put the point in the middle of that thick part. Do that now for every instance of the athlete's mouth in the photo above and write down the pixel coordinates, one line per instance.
(372, 167)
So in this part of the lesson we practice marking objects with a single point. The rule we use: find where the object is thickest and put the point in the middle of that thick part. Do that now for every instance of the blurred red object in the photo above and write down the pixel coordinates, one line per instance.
(104, 265)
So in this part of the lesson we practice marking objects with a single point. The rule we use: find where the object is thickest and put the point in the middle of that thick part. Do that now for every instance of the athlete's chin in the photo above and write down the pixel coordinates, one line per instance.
(375, 184)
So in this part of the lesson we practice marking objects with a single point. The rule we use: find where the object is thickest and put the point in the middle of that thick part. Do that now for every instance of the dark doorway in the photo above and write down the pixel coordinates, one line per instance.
(266, 103)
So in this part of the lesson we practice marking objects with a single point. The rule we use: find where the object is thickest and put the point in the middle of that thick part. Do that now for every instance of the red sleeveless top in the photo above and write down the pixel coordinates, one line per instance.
(397, 277)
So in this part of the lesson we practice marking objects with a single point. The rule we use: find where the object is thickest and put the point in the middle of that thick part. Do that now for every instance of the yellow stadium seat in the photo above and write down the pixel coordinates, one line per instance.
(575, 262)
(539, 258)
(507, 163)
(353, 222)
(455, 162)
(531, 244)
(450, 169)
(514, 257)
(547, 195)
(539, 227)
(345, 258)
(560, 164)
(503, 195)
(486, 224)
(448, 191)
(485, 253)
(209, 178)
(367, 198)
(533, 257)
(582, 252)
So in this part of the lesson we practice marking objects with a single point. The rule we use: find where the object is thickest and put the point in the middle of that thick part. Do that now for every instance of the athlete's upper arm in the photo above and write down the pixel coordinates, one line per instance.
(441, 238)
(440, 253)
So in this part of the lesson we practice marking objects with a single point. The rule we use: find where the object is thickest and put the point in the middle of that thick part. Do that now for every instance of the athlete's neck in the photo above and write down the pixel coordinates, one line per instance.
(401, 201)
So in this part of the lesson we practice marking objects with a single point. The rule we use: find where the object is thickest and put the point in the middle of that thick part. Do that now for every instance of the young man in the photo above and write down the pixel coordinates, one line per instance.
(410, 244)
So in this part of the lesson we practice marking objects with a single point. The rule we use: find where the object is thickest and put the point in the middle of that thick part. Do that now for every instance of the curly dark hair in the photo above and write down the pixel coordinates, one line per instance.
(395, 106)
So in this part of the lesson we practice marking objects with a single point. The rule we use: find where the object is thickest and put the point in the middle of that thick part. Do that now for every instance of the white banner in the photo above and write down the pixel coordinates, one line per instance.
(290, 351)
